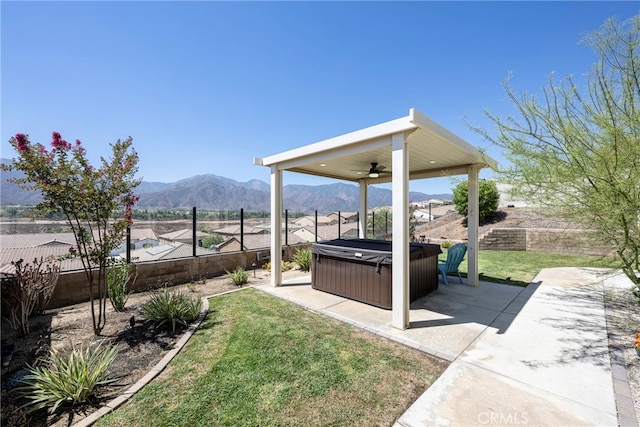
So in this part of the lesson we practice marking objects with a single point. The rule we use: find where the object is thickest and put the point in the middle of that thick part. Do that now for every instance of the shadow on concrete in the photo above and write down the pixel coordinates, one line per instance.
(461, 304)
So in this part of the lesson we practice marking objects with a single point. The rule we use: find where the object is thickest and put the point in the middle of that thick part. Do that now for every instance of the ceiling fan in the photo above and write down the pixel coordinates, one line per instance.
(375, 171)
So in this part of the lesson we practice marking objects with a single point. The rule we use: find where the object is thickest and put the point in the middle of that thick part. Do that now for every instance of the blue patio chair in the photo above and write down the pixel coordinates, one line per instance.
(455, 255)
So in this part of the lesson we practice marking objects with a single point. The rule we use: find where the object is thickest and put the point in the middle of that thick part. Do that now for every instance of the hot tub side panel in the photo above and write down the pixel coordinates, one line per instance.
(353, 280)
(424, 277)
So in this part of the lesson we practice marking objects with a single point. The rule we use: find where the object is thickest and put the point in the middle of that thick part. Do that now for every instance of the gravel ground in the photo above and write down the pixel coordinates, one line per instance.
(623, 325)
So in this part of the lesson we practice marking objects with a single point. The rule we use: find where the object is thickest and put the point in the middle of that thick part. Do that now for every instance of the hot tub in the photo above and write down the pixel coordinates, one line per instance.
(360, 269)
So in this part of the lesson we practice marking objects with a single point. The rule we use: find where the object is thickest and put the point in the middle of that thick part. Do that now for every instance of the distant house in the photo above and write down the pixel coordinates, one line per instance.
(167, 251)
(252, 242)
(422, 215)
(140, 238)
(443, 210)
(308, 221)
(345, 217)
(235, 230)
(43, 245)
(36, 239)
(232, 244)
(328, 232)
(8, 255)
(182, 236)
(28, 247)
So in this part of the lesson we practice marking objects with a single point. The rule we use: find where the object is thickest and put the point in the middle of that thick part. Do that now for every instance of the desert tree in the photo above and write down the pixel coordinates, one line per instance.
(96, 202)
(575, 148)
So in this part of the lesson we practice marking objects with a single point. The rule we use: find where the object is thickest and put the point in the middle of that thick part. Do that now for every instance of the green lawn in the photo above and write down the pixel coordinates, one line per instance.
(257, 360)
(520, 267)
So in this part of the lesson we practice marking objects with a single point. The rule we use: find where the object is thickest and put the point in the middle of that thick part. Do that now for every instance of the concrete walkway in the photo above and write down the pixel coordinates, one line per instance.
(534, 356)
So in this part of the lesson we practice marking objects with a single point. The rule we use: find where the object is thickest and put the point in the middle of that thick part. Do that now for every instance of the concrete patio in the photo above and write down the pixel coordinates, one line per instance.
(519, 356)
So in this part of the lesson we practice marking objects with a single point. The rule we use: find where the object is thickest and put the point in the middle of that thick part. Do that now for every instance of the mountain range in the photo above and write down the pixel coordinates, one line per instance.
(214, 192)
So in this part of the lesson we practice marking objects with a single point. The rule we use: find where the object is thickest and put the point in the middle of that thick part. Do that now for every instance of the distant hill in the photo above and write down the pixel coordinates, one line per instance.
(216, 192)
(11, 194)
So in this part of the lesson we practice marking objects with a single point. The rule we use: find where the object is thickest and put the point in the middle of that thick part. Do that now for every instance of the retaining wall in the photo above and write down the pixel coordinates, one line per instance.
(72, 286)
(560, 241)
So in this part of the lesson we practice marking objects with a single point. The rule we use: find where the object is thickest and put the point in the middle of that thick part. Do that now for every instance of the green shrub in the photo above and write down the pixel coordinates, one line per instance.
(175, 308)
(67, 378)
(285, 266)
(302, 258)
(446, 244)
(212, 240)
(238, 276)
(488, 199)
(29, 291)
(118, 276)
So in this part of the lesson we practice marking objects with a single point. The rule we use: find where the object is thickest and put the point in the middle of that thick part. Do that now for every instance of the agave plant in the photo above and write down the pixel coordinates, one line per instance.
(176, 308)
(67, 377)
(302, 258)
(238, 276)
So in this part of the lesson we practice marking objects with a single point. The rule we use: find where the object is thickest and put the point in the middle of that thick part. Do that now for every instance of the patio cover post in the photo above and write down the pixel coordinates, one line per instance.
(276, 225)
(400, 228)
(472, 225)
(362, 207)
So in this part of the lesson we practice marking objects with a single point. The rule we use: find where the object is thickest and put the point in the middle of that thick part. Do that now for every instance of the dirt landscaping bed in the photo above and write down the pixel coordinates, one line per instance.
(139, 348)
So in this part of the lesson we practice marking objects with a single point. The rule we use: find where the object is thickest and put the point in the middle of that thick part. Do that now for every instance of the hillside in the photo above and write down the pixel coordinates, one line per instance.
(451, 226)
(215, 192)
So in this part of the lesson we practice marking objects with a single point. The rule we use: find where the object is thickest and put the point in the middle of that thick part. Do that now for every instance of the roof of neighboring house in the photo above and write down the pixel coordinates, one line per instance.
(39, 239)
(344, 215)
(143, 233)
(257, 241)
(186, 233)
(35, 239)
(7, 255)
(227, 242)
(326, 232)
(168, 251)
(442, 210)
(235, 229)
(322, 219)
(41, 245)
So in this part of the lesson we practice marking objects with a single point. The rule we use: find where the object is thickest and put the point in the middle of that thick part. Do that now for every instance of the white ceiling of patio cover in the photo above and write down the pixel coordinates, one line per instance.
(433, 151)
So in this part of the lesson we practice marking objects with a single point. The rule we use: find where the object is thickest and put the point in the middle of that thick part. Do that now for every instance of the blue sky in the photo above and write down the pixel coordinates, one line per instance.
(203, 87)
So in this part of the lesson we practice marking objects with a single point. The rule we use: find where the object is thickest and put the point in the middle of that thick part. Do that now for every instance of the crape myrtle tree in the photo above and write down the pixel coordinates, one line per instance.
(576, 150)
(488, 199)
(95, 201)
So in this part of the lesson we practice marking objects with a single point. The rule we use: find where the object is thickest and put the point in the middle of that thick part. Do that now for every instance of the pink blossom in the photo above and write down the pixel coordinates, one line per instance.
(22, 142)
(58, 143)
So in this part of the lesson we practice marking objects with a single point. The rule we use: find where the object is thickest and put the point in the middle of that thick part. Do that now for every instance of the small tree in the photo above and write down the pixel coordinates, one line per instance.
(488, 198)
(212, 239)
(95, 201)
(576, 150)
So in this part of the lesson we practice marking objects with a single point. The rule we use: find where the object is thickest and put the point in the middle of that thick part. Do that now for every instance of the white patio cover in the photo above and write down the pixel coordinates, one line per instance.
(411, 147)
